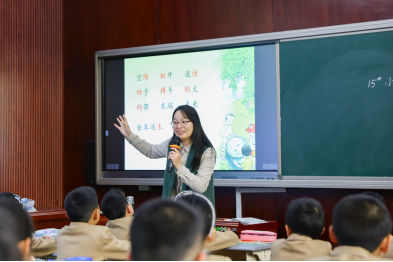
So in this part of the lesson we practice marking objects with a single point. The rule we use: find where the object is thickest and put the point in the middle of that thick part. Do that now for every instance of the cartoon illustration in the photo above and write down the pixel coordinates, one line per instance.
(233, 153)
(226, 132)
(251, 134)
(247, 160)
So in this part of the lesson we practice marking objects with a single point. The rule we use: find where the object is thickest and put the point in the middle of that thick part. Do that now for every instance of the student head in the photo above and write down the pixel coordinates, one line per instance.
(8, 250)
(15, 222)
(12, 196)
(204, 207)
(166, 230)
(81, 205)
(115, 205)
(190, 132)
(229, 119)
(363, 221)
(305, 217)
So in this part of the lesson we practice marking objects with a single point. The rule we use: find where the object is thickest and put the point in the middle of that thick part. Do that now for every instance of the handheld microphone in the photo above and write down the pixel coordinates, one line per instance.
(175, 143)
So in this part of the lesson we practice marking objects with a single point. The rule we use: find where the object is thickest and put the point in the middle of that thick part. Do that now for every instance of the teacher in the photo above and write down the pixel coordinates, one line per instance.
(193, 163)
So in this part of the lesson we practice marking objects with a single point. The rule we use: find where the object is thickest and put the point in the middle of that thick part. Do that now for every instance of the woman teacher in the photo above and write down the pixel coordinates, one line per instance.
(193, 163)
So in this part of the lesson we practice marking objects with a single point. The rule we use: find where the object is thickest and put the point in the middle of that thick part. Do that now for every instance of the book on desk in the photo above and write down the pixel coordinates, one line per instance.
(236, 226)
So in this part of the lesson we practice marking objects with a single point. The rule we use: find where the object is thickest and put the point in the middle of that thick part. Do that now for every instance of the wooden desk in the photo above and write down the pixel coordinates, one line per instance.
(55, 219)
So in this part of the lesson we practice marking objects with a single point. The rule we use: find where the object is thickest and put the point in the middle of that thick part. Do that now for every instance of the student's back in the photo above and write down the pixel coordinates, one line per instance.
(305, 220)
(97, 242)
(83, 237)
(119, 212)
(361, 226)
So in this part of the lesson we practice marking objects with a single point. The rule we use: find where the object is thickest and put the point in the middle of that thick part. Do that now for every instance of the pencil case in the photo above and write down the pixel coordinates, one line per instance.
(254, 235)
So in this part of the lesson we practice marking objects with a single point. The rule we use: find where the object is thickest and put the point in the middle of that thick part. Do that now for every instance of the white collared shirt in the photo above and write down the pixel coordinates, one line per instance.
(197, 182)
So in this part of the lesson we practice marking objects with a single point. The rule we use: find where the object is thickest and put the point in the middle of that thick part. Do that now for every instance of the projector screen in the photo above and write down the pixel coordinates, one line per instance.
(232, 89)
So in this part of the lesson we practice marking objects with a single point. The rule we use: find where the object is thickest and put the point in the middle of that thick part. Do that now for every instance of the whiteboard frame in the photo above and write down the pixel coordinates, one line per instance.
(286, 181)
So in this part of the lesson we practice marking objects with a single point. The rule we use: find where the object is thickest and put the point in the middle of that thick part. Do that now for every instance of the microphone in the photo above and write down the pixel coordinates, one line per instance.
(176, 144)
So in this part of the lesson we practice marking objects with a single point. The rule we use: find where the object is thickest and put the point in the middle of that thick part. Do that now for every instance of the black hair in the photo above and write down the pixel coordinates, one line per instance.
(199, 138)
(361, 220)
(7, 195)
(166, 230)
(305, 216)
(9, 250)
(114, 204)
(246, 150)
(376, 195)
(80, 204)
(202, 207)
(15, 220)
(229, 114)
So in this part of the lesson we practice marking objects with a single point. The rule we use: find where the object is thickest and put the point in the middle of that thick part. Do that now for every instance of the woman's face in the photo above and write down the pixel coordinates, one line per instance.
(183, 128)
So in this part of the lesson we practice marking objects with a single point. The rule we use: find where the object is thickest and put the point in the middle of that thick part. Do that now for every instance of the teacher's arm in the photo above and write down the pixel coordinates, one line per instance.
(200, 181)
(147, 149)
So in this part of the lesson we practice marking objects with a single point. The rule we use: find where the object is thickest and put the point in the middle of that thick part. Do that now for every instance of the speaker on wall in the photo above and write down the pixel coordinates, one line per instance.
(91, 162)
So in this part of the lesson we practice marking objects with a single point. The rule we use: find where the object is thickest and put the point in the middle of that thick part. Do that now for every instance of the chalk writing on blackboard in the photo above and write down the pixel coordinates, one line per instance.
(372, 82)
(389, 82)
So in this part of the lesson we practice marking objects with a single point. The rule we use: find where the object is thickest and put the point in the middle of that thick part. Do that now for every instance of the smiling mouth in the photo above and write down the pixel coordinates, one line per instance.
(180, 132)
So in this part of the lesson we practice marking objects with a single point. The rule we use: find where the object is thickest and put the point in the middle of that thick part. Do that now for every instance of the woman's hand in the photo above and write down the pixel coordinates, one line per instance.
(124, 128)
(175, 156)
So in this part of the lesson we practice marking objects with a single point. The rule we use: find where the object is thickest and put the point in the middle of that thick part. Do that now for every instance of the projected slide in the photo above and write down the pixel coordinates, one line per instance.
(219, 84)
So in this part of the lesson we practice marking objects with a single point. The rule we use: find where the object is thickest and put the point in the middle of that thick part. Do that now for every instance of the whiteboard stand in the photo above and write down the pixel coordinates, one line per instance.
(240, 190)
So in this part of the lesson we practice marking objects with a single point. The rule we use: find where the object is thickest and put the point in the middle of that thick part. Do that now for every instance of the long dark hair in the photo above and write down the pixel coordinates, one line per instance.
(199, 138)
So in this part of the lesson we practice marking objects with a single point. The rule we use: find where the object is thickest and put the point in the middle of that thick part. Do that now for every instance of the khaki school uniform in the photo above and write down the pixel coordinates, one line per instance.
(223, 240)
(297, 247)
(43, 247)
(120, 227)
(97, 242)
(349, 253)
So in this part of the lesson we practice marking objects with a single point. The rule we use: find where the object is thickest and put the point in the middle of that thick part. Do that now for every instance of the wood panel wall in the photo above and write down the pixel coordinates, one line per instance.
(93, 25)
(43, 42)
(31, 100)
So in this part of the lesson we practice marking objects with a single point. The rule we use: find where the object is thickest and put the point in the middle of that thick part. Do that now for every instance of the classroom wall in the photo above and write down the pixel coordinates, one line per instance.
(47, 80)
(93, 25)
(31, 100)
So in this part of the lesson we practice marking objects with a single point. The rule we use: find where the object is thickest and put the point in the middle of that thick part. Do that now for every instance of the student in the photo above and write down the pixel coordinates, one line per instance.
(17, 223)
(40, 247)
(166, 230)
(304, 223)
(361, 226)
(116, 208)
(83, 237)
(8, 250)
(206, 209)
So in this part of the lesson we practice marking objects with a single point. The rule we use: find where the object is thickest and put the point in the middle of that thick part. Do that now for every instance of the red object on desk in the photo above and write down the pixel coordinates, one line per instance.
(238, 227)
(55, 219)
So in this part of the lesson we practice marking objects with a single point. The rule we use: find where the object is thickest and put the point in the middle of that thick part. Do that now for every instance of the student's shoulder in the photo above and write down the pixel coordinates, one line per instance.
(322, 243)
(277, 243)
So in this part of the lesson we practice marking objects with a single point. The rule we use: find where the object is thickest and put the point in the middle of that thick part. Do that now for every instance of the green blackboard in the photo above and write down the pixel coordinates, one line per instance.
(336, 104)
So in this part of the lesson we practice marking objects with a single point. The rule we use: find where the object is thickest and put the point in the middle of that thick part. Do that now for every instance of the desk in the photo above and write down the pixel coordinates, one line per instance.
(55, 219)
